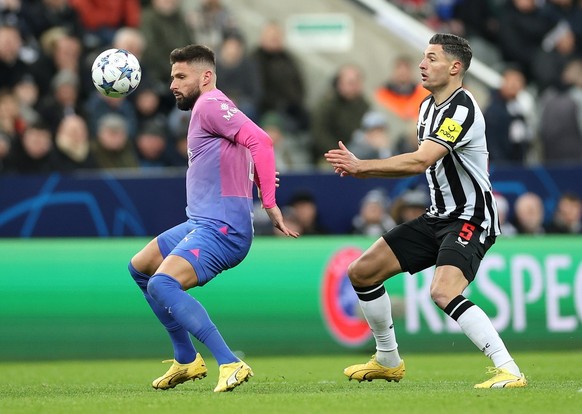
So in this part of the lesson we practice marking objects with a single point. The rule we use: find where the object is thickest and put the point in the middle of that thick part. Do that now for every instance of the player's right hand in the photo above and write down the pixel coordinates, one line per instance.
(276, 217)
(343, 161)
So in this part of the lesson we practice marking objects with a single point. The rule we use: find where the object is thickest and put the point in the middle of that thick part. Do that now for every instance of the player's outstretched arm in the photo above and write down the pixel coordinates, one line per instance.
(346, 163)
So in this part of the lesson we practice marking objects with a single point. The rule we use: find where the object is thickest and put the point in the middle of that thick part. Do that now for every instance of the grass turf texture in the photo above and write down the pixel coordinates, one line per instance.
(436, 383)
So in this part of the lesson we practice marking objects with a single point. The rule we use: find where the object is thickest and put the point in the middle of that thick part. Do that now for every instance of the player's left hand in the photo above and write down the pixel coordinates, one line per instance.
(276, 217)
(343, 161)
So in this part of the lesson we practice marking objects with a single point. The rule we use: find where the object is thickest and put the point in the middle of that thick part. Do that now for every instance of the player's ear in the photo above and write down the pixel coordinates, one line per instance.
(456, 67)
(207, 76)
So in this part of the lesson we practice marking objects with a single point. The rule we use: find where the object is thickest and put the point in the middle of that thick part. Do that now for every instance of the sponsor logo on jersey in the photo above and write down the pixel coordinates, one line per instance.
(230, 112)
(340, 304)
(449, 130)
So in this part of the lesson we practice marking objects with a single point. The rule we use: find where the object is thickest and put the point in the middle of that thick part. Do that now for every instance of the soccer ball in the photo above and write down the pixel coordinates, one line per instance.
(116, 73)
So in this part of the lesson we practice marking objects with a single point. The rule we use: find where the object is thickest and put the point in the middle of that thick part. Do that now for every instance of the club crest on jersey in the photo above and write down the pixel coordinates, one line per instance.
(449, 130)
(229, 111)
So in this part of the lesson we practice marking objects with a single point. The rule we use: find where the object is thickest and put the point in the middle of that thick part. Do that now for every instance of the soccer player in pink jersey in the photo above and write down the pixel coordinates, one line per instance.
(227, 152)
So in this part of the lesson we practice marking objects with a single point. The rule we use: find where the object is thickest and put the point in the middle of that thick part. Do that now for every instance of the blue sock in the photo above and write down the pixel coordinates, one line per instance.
(184, 351)
(168, 292)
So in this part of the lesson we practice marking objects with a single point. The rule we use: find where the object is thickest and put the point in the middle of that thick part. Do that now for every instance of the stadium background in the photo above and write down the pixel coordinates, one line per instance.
(72, 296)
(66, 240)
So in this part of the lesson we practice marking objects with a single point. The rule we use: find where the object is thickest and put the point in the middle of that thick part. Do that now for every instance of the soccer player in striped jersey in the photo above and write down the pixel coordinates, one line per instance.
(226, 153)
(457, 229)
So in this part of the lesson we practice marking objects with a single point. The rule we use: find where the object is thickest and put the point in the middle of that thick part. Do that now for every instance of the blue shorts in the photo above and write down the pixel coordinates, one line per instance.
(205, 247)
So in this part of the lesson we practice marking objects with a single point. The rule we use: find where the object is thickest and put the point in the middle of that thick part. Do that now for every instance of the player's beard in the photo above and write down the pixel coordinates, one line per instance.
(185, 103)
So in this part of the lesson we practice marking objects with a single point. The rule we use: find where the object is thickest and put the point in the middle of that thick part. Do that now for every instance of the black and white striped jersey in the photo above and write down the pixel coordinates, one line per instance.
(459, 182)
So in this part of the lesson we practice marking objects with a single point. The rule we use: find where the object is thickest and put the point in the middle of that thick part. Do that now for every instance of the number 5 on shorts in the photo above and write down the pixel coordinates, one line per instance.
(467, 231)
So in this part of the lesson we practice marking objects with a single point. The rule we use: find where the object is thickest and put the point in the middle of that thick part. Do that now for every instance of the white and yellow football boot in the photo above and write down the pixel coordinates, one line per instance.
(502, 379)
(232, 375)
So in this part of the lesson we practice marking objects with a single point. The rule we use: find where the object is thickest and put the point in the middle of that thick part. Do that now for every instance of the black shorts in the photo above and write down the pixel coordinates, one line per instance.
(427, 241)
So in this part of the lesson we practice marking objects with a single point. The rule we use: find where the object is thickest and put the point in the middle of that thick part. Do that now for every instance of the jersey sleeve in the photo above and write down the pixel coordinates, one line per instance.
(261, 147)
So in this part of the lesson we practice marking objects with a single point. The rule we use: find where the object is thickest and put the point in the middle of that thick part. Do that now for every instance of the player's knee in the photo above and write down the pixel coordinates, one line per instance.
(355, 274)
(439, 296)
(140, 278)
(154, 286)
(160, 285)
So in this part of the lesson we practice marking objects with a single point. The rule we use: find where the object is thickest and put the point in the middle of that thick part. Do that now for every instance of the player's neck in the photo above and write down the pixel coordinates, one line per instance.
(207, 88)
(442, 94)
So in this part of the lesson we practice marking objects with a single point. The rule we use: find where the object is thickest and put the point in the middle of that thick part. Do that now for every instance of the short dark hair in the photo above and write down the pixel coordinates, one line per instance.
(455, 46)
(193, 54)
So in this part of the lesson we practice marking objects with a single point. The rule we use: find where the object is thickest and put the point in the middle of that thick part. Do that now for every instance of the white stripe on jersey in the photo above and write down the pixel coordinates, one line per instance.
(459, 182)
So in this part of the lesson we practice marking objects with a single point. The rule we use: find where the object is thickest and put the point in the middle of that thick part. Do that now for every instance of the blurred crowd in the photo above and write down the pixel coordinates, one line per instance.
(526, 214)
(535, 116)
(53, 119)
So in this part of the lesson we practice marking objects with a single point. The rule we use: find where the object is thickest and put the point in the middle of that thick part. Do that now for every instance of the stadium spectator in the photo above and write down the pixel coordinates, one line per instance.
(567, 218)
(178, 122)
(73, 145)
(503, 210)
(13, 14)
(112, 146)
(476, 20)
(283, 86)
(43, 15)
(407, 140)
(560, 122)
(402, 93)
(102, 18)
(558, 49)
(372, 139)
(421, 9)
(33, 152)
(290, 150)
(130, 39)
(12, 67)
(529, 214)
(237, 75)
(373, 218)
(152, 146)
(522, 28)
(569, 11)
(12, 123)
(99, 105)
(339, 112)
(163, 26)
(147, 105)
(510, 131)
(63, 101)
(303, 208)
(211, 22)
(5, 145)
(27, 94)
(60, 51)
(410, 205)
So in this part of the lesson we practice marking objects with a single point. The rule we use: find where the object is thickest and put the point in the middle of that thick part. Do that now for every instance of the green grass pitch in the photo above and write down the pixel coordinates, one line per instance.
(434, 383)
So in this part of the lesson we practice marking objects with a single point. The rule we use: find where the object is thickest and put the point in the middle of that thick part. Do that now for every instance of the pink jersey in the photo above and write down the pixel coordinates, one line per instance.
(221, 170)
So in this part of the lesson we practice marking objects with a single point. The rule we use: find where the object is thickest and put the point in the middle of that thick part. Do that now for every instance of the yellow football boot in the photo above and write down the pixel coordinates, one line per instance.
(372, 370)
(179, 373)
